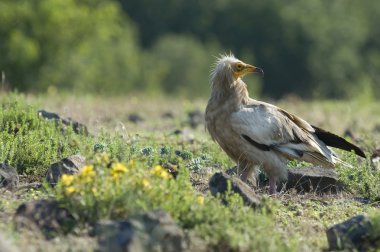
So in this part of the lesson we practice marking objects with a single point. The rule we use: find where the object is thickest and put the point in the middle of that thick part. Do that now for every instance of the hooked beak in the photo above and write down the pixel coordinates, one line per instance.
(253, 69)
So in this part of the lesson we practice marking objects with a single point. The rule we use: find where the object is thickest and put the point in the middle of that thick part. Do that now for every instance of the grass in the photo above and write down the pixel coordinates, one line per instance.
(29, 143)
(125, 172)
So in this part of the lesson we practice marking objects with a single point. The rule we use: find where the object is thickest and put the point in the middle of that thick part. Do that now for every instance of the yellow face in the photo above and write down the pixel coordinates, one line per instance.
(239, 69)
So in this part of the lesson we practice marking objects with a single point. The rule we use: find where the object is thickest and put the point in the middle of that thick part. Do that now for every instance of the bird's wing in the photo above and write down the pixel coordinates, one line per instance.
(268, 127)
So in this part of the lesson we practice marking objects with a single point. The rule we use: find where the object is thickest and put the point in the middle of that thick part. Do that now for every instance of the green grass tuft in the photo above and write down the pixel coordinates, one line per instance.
(31, 143)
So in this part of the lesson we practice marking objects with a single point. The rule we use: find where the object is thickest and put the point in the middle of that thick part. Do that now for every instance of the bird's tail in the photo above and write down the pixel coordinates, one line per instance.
(333, 140)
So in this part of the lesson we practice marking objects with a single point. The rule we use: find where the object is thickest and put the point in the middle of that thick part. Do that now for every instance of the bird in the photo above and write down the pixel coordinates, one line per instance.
(258, 134)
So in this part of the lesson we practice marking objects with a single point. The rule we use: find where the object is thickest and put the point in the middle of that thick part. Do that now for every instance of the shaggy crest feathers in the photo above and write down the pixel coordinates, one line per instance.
(222, 67)
(222, 77)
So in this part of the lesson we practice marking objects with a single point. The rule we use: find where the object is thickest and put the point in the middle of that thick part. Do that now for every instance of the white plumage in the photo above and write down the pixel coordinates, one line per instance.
(255, 133)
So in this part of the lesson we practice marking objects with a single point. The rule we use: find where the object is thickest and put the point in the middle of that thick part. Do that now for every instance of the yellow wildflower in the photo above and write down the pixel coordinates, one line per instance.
(160, 171)
(164, 174)
(88, 171)
(118, 169)
(157, 169)
(200, 199)
(67, 180)
(71, 189)
(145, 183)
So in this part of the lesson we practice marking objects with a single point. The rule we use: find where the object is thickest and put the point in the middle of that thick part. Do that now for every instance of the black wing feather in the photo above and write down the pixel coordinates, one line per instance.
(333, 140)
(260, 146)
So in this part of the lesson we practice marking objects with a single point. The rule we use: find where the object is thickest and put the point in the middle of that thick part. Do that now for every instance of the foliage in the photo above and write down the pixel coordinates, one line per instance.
(88, 47)
(114, 190)
(361, 179)
(31, 143)
(314, 49)
(177, 64)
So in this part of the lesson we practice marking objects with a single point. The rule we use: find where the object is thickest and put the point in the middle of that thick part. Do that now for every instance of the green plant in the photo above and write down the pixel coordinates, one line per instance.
(360, 179)
(31, 143)
(114, 190)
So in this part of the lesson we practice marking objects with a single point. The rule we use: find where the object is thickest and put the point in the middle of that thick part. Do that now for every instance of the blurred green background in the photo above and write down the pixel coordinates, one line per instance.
(312, 49)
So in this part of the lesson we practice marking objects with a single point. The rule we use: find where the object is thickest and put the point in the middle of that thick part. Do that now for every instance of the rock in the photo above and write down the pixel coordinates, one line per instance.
(135, 118)
(310, 179)
(8, 177)
(375, 160)
(355, 233)
(313, 179)
(177, 132)
(196, 117)
(117, 236)
(219, 184)
(48, 115)
(348, 133)
(77, 127)
(354, 138)
(167, 115)
(152, 231)
(69, 165)
(186, 136)
(44, 215)
(376, 128)
(252, 181)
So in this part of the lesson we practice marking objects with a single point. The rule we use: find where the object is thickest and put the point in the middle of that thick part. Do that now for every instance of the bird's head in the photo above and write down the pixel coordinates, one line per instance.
(230, 68)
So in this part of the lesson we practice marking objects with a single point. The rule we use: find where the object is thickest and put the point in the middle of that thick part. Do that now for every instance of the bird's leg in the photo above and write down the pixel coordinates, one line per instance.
(272, 186)
(243, 171)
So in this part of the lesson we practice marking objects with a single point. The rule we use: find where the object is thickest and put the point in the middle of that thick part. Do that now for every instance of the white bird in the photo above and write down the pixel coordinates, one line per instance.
(255, 133)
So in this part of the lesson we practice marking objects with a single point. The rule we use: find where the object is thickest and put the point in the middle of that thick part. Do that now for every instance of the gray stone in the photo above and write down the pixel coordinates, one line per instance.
(135, 118)
(117, 236)
(8, 177)
(77, 127)
(356, 233)
(313, 179)
(69, 165)
(196, 117)
(187, 136)
(177, 132)
(376, 128)
(46, 216)
(219, 184)
(168, 115)
(152, 231)
(48, 115)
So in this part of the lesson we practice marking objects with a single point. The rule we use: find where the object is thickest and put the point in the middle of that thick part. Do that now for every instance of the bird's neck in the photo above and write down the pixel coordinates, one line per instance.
(236, 92)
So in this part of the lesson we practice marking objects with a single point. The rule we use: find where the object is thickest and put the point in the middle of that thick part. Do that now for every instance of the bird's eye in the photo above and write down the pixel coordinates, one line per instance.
(239, 67)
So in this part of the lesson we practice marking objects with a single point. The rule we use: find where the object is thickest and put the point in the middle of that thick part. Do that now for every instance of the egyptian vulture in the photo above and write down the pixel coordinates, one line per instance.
(255, 133)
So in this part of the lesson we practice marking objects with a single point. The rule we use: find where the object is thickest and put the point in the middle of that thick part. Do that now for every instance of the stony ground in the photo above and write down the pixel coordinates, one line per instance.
(299, 218)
